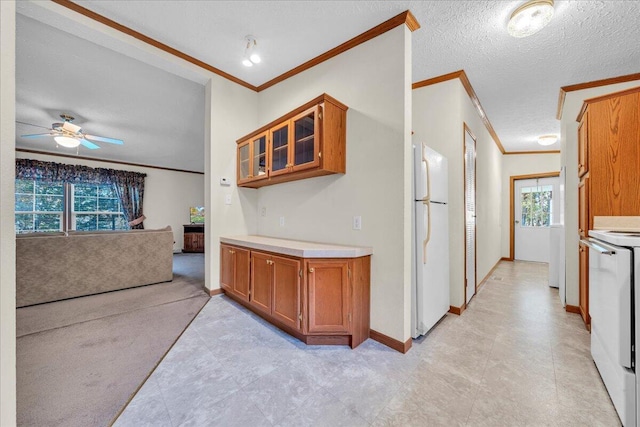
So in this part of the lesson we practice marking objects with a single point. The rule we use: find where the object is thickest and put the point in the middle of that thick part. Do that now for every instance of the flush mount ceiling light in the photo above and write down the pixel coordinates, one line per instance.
(250, 52)
(547, 139)
(67, 141)
(530, 18)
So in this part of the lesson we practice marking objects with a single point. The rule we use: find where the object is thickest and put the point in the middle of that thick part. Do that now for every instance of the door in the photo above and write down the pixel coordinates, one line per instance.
(470, 213)
(286, 291)
(279, 156)
(226, 267)
(328, 296)
(536, 206)
(261, 277)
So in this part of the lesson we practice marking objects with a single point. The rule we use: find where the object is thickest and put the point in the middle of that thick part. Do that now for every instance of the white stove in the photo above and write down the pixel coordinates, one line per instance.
(614, 275)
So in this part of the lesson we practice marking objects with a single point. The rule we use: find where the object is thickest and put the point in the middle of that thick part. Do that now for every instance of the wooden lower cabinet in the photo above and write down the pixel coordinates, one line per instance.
(319, 301)
(328, 297)
(234, 271)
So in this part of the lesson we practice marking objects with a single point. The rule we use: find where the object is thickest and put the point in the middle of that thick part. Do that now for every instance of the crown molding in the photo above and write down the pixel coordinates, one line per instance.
(462, 76)
(405, 18)
(589, 85)
(148, 40)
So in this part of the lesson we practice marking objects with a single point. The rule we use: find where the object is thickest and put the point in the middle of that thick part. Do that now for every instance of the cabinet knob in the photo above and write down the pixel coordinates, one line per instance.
(232, 252)
(311, 270)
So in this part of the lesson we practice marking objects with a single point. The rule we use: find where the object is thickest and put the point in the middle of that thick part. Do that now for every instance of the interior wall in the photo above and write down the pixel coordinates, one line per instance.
(569, 147)
(7, 227)
(375, 184)
(168, 195)
(521, 164)
(437, 121)
(489, 190)
(231, 111)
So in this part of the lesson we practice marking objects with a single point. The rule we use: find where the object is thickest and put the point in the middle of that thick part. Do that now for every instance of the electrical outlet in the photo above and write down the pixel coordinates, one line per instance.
(357, 222)
(263, 211)
(281, 221)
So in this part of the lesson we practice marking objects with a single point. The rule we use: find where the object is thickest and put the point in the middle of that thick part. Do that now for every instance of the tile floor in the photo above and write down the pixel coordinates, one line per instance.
(513, 358)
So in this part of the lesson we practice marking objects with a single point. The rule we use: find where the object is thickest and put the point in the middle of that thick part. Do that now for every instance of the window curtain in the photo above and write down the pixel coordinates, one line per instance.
(129, 185)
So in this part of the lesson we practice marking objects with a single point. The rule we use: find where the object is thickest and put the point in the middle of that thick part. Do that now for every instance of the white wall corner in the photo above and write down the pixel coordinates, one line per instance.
(7, 227)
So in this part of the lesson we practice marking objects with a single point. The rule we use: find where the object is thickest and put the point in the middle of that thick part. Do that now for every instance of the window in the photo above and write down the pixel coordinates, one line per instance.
(40, 207)
(536, 206)
(96, 207)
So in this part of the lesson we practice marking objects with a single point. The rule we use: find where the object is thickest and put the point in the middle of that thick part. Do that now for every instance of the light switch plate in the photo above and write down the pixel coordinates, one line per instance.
(281, 221)
(227, 199)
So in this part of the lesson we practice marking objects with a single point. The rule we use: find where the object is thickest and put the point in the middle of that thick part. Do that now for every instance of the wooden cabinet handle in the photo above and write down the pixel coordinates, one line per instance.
(232, 252)
(311, 270)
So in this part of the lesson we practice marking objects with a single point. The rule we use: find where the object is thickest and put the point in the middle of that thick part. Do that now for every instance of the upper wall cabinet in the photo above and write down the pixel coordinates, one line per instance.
(309, 141)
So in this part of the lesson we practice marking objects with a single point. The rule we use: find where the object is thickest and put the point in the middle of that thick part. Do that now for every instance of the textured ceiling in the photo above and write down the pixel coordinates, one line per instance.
(516, 80)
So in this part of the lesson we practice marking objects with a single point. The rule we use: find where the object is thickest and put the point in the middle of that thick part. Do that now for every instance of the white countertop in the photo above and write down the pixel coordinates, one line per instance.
(297, 248)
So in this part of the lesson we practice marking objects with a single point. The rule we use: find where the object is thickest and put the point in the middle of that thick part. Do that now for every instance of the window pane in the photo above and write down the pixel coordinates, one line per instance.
(24, 223)
(108, 205)
(49, 188)
(106, 191)
(85, 190)
(85, 222)
(24, 202)
(85, 204)
(48, 222)
(24, 186)
(109, 222)
(49, 203)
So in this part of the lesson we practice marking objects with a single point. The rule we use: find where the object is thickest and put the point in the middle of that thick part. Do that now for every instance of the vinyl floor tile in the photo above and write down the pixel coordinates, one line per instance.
(514, 357)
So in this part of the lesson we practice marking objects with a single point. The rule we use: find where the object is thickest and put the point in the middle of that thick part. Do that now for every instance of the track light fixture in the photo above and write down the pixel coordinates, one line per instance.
(251, 55)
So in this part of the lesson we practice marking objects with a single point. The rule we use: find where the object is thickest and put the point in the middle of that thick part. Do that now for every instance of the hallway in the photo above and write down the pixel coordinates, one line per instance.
(514, 357)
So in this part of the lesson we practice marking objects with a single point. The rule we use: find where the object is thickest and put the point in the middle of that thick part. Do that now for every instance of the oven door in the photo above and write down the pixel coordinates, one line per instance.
(610, 308)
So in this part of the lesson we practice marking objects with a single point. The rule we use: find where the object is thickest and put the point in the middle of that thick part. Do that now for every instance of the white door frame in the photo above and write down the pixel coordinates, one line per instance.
(467, 132)
(512, 217)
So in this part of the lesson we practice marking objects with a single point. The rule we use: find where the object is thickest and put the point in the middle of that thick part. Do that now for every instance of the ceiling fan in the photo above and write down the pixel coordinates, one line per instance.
(69, 135)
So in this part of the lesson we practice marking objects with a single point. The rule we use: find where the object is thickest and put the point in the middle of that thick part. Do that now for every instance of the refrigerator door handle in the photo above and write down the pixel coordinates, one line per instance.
(427, 175)
(426, 240)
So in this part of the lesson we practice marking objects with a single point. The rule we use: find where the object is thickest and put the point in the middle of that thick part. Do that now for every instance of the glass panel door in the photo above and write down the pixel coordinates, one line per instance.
(305, 139)
(243, 162)
(259, 157)
(280, 150)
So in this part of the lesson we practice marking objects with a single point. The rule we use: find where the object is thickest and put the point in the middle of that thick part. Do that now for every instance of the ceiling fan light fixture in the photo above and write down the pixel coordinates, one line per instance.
(67, 141)
(530, 18)
(547, 139)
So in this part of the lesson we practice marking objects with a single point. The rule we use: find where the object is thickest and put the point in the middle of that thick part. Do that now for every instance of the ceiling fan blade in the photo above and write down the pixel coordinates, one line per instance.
(37, 135)
(31, 124)
(90, 145)
(105, 139)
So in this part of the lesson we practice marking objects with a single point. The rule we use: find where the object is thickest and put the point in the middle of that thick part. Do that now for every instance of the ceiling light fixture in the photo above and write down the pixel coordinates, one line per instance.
(547, 139)
(67, 141)
(530, 18)
(251, 55)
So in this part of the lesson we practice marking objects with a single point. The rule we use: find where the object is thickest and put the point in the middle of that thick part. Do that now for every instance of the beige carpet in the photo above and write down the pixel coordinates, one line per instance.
(79, 361)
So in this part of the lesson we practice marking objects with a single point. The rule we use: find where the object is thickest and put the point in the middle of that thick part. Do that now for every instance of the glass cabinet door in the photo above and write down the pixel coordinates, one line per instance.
(243, 162)
(280, 150)
(306, 139)
(259, 157)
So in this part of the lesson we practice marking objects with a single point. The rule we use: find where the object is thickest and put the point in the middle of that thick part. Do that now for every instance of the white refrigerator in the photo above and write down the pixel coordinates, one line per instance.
(431, 240)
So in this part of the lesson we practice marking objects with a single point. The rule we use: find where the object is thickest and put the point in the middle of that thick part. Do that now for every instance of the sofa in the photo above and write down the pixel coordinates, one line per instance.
(56, 266)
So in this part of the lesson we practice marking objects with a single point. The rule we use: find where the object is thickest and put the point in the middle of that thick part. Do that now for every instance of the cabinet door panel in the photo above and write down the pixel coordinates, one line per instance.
(261, 277)
(242, 270)
(583, 207)
(244, 159)
(226, 267)
(306, 139)
(583, 146)
(286, 291)
(279, 156)
(259, 157)
(328, 296)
